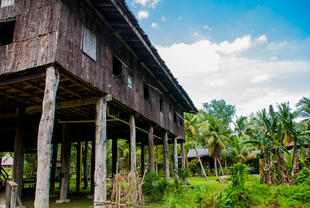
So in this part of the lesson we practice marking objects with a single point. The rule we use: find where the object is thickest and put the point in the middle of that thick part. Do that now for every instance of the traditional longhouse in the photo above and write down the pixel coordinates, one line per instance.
(82, 70)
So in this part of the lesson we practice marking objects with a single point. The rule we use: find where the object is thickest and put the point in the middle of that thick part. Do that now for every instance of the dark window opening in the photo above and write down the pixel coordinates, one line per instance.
(145, 91)
(130, 81)
(174, 116)
(6, 32)
(161, 105)
(117, 67)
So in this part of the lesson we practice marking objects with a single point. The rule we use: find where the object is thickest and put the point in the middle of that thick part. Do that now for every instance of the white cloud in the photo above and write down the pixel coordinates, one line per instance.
(142, 14)
(146, 3)
(261, 39)
(207, 27)
(209, 70)
(154, 25)
(163, 18)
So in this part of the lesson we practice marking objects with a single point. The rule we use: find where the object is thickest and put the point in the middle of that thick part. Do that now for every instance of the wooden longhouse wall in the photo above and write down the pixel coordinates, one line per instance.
(35, 35)
(77, 14)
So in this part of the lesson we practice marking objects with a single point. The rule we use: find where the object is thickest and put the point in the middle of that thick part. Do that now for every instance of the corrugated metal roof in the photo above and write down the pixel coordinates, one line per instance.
(201, 152)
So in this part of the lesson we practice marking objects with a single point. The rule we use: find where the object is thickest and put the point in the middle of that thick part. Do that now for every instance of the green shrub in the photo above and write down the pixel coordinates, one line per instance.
(154, 186)
(302, 176)
(236, 195)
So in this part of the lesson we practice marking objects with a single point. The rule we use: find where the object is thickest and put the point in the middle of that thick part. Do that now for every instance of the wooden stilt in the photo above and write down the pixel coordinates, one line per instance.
(53, 170)
(85, 163)
(78, 167)
(45, 134)
(183, 156)
(132, 126)
(175, 159)
(19, 151)
(92, 177)
(100, 193)
(151, 150)
(114, 156)
(65, 166)
(166, 157)
(142, 159)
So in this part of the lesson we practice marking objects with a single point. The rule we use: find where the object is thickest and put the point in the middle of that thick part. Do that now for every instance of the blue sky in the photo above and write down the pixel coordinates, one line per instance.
(251, 53)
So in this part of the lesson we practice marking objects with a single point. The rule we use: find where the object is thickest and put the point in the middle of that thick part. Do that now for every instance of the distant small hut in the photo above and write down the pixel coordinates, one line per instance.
(206, 159)
(7, 161)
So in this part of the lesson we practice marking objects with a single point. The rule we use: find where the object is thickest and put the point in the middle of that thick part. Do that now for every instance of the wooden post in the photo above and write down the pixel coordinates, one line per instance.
(53, 170)
(142, 159)
(85, 163)
(183, 156)
(78, 167)
(45, 134)
(166, 157)
(65, 166)
(132, 126)
(92, 171)
(19, 151)
(114, 156)
(151, 149)
(101, 153)
(175, 158)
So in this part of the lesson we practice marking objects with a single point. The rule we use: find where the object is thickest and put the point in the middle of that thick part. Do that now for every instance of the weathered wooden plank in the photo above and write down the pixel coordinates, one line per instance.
(151, 150)
(166, 157)
(132, 128)
(45, 134)
(100, 193)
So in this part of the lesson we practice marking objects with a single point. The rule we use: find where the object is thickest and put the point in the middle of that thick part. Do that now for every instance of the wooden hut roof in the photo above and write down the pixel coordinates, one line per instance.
(125, 25)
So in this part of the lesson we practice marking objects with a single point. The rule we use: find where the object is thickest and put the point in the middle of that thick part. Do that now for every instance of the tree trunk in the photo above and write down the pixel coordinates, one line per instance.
(45, 135)
(202, 168)
(215, 166)
(226, 166)
(220, 165)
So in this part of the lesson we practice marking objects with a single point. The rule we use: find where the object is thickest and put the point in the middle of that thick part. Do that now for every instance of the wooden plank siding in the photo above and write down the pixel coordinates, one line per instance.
(50, 31)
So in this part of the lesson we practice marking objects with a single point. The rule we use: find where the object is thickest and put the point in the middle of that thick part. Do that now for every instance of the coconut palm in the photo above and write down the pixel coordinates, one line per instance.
(303, 108)
(216, 134)
(240, 125)
(193, 124)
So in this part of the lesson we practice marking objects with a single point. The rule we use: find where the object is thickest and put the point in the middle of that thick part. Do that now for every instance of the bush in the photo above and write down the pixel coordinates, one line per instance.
(302, 176)
(236, 195)
(154, 186)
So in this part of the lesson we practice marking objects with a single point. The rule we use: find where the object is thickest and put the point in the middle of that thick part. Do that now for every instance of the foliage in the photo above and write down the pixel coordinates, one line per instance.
(220, 110)
(154, 185)
(236, 195)
(303, 176)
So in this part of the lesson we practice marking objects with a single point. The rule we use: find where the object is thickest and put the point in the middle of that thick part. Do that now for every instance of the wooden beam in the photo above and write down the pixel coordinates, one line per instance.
(78, 167)
(45, 134)
(132, 128)
(53, 170)
(151, 150)
(21, 78)
(114, 156)
(85, 163)
(100, 193)
(166, 157)
(175, 159)
(65, 165)
(142, 159)
(19, 151)
(183, 156)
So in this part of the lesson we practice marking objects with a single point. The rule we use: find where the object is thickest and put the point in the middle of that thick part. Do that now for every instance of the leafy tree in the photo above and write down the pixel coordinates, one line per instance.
(303, 108)
(220, 110)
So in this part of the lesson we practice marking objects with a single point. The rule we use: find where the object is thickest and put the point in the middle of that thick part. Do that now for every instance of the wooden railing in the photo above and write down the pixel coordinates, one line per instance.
(11, 195)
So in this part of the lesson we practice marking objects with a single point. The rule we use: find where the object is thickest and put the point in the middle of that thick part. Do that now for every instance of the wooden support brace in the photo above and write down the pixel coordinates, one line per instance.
(175, 158)
(100, 193)
(151, 150)
(132, 127)
(45, 134)
(166, 157)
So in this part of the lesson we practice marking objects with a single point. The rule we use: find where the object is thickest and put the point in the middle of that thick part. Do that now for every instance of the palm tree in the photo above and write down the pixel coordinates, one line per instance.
(303, 108)
(193, 124)
(240, 125)
(216, 134)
